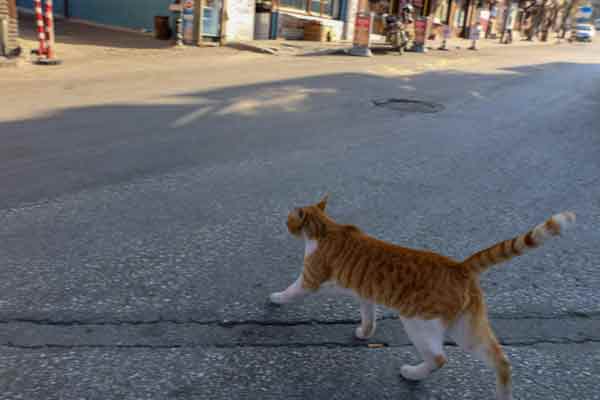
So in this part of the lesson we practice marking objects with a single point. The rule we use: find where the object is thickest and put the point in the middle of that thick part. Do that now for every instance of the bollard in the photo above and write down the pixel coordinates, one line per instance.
(49, 20)
(39, 19)
(46, 54)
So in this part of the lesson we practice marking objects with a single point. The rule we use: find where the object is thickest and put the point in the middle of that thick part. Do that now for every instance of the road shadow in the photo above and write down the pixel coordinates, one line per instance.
(97, 145)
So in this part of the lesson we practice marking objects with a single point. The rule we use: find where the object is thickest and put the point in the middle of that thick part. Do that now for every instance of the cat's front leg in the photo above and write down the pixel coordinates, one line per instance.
(368, 320)
(294, 292)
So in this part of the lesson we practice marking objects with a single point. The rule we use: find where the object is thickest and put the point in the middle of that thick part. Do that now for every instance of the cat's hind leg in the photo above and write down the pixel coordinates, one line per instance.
(474, 335)
(428, 337)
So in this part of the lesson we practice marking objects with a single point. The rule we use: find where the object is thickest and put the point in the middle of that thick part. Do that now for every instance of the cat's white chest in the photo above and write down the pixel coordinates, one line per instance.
(310, 246)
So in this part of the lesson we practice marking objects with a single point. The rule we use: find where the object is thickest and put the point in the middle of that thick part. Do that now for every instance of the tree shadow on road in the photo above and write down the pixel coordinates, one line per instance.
(104, 144)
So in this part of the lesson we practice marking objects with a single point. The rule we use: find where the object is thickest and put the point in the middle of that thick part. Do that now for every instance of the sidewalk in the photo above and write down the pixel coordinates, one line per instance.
(10, 62)
(79, 43)
(283, 47)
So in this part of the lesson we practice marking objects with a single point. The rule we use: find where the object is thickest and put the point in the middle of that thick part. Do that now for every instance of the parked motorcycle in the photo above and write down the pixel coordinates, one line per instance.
(395, 29)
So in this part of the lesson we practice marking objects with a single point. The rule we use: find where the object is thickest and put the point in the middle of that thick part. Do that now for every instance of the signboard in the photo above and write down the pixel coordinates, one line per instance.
(583, 15)
(362, 30)
(584, 12)
(420, 30)
(484, 19)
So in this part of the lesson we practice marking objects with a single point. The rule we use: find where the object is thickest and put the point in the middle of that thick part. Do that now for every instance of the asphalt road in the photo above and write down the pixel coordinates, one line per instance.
(139, 242)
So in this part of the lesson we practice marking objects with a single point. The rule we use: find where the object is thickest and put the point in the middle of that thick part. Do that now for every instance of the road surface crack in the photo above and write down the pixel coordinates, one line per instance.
(294, 345)
(571, 315)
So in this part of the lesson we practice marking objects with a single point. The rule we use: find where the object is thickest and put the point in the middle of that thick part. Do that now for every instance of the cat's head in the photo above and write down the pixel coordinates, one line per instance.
(303, 219)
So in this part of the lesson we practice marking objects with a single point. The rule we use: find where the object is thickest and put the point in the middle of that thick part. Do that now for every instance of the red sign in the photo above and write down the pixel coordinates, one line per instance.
(362, 30)
(484, 19)
(420, 30)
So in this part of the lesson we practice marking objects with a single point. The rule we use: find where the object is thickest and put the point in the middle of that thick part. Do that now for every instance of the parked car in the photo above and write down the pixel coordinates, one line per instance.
(584, 32)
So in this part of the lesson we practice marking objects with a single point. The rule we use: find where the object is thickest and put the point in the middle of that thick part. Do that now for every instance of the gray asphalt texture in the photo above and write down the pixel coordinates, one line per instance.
(136, 258)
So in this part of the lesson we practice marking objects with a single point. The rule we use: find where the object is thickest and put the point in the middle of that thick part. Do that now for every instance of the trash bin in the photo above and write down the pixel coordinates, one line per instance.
(162, 30)
(262, 25)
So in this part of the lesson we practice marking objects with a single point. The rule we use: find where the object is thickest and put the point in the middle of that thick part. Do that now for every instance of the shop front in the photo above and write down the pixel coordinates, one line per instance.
(140, 14)
(132, 14)
(320, 20)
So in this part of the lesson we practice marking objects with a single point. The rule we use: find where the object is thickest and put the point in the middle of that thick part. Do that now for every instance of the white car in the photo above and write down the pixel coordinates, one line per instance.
(584, 32)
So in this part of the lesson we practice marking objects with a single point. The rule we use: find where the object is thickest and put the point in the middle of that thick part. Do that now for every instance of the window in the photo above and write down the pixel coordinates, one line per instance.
(313, 7)
(297, 4)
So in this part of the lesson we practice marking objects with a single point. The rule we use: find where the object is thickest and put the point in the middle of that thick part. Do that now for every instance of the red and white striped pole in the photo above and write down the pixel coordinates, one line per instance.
(39, 18)
(46, 36)
(49, 30)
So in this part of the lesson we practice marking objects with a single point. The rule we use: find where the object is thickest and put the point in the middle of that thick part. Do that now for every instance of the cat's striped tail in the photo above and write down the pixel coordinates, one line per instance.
(508, 249)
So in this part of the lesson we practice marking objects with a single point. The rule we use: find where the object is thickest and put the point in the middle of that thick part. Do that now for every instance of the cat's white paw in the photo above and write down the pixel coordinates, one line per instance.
(414, 372)
(364, 334)
(277, 298)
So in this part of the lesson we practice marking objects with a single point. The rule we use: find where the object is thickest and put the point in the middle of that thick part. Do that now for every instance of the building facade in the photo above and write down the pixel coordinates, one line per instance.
(133, 14)
(286, 18)
(237, 20)
(8, 12)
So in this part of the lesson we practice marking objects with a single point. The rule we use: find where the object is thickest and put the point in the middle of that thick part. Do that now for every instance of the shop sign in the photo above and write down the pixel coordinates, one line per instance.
(420, 30)
(484, 19)
(362, 30)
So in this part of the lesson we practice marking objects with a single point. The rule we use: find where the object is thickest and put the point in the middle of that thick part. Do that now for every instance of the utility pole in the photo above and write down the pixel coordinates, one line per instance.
(198, 28)
(224, 18)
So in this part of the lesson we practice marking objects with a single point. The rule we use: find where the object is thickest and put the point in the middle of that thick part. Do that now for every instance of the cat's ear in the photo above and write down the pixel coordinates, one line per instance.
(323, 203)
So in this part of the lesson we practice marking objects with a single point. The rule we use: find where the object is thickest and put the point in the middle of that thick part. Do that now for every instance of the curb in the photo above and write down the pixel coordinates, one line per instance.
(326, 52)
(251, 47)
(10, 62)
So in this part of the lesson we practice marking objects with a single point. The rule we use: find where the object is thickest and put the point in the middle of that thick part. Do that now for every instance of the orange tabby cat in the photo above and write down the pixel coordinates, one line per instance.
(434, 294)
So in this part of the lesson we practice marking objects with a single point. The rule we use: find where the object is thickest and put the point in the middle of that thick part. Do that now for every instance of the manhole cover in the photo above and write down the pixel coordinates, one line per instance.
(409, 105)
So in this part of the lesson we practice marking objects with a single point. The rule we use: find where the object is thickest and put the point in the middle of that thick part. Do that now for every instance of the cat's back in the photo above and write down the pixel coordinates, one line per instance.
(409, 280)
(382, 250)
